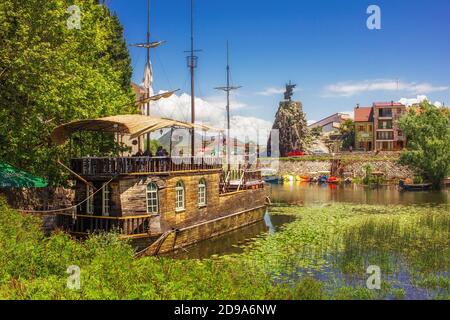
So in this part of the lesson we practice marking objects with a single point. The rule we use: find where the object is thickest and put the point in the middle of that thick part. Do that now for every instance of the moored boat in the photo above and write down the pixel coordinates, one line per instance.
(144, 198)
(323, 176)
(414, 187)
(333, 180)
(270, 175)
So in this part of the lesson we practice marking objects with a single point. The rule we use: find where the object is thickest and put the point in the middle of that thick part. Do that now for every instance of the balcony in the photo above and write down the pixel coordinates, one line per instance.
(385, 113)
(385, 135)
(108, 167)
(385, 126)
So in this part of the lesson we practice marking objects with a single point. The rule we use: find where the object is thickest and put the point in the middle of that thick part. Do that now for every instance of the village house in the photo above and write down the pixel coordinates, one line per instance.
(364, 128)
(330, 123)
(377, 129)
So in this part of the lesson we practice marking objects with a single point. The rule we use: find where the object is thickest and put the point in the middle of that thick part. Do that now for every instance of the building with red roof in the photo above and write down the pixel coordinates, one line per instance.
(364, 128)
(388, 135)
(376, 127)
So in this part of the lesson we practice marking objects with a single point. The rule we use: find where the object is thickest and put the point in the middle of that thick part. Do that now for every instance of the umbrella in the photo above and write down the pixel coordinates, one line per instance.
(11, 177)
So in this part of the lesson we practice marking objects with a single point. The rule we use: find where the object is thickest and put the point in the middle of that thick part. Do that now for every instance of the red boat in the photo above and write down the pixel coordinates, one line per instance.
(333, 180)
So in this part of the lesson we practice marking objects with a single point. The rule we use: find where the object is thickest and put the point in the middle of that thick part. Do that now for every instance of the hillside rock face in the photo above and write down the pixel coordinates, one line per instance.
(293, 129)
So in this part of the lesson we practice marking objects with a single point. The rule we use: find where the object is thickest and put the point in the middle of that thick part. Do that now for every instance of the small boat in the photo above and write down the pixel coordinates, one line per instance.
(313, 177)
(270, 175)
(288, 178)
(414, 187)
(323, 176)
(322, 179)
(314, 180)
(271, 179)
(333, 180)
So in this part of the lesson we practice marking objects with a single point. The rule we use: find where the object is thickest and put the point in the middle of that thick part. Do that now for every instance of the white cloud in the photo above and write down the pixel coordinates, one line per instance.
(418, 99)
(310, 122)
(411, 101)
(350, 113)
(272, 91)
(351, 88)
(250, 127)
(211, 111)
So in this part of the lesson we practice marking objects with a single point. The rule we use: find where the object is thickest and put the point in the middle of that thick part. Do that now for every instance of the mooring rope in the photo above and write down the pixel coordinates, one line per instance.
(71, 207)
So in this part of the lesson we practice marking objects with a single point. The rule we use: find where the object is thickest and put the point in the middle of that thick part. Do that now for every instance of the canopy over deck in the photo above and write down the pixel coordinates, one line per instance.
(134, 125)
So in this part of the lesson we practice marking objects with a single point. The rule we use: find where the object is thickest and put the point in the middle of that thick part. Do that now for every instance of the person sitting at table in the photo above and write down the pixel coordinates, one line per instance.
(138, 154)
(160, 152)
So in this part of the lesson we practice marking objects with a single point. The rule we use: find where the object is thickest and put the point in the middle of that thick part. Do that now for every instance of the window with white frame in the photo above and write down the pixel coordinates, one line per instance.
(202, 193)
(179, 193)
(90, 199)
(152, 198)
(106, 200)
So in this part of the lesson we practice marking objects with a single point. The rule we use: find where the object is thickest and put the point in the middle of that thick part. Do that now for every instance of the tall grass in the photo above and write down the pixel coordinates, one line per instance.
(309, 258)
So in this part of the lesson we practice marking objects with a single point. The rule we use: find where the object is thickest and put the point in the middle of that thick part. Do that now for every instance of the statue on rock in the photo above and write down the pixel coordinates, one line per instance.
(289, 91)
(290, 121)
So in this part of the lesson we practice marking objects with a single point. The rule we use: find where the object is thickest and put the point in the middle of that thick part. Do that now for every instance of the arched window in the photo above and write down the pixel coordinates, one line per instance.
(202, 193)
(152, 198)
(179, 194)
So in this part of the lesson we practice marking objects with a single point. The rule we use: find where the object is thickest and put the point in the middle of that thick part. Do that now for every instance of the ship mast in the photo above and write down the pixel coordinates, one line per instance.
(192, 64)
(228, 89)
(148, 73)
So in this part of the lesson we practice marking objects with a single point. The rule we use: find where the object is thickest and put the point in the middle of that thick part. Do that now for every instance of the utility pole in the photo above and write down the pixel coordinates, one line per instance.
(228, 89)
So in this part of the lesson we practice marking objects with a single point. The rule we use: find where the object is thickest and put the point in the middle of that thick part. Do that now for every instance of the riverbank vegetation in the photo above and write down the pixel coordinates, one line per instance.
(427, 128)
(323, 254)
(53, 71)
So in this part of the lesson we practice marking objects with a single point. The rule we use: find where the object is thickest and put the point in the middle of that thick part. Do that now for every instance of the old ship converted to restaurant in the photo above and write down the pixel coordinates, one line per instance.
(160, 203)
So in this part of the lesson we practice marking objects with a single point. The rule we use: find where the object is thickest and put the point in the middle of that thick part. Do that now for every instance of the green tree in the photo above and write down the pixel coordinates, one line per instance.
(316, 132)
(51, 74)
(427, 129)
(347, 131)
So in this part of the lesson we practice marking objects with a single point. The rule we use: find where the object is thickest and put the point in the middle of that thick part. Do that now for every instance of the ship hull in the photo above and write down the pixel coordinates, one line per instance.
(177, 239)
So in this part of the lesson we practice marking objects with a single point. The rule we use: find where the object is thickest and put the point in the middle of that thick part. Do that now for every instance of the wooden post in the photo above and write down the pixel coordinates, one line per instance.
(77, 175)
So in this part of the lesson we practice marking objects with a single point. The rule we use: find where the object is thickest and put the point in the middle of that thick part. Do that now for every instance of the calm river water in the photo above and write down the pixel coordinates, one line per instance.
(307, 194)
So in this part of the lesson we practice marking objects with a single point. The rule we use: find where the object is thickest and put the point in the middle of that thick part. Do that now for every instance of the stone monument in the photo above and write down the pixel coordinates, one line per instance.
(291, 123)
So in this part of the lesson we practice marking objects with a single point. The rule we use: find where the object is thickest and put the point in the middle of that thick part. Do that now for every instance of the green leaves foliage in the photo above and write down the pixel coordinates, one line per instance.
(428, 152)
(51, 74)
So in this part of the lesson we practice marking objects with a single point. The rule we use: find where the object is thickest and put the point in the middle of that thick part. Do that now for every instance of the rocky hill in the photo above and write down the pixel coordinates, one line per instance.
(293, 129)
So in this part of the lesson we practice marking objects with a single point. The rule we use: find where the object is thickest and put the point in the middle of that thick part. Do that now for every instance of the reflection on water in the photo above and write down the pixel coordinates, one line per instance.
(231, 242)
(306, 193)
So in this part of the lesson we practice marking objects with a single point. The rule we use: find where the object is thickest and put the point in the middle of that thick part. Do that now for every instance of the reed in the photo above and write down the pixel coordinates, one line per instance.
(322, 254)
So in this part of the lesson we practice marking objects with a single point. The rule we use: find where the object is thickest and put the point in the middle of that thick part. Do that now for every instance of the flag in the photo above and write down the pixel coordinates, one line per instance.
(148, 82)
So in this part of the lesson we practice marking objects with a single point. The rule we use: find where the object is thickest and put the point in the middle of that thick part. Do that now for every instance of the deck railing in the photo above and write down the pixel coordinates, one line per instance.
(131, 165)
(238, 180)
(86, 224)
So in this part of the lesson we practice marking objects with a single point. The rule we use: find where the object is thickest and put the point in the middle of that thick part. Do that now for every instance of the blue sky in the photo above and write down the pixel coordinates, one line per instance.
(322, 45)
